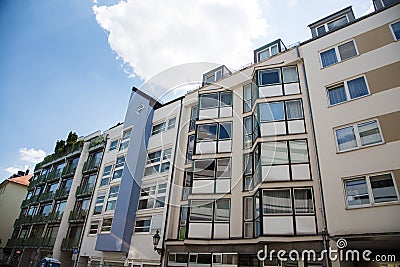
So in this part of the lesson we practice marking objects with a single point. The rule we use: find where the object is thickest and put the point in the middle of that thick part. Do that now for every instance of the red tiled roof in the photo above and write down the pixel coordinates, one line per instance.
(24, 180)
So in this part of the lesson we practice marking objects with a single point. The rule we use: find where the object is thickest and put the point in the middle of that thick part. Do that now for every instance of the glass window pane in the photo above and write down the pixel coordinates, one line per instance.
(294, 109)
(274, 153)
(290, 75)
(226, 99)
(346, 138)
(274, 50)
(298, 151)
(224, 168)
(248, 208)
(357, 87)
(248, 164)
(337, 23)
(277, 201)
(264, 54)
(201, 211)
(303, 201)
(272, 111)
(328, 57)
(357, 192)
(204, 169)
(321, 30)
(209, 100)
(383, 188)
(369, 133)
(222, 210)
(337, 95)
(247, 92)
(267, 77)
(207, 132)
(347, 50)
(225, 130)
(396, 29)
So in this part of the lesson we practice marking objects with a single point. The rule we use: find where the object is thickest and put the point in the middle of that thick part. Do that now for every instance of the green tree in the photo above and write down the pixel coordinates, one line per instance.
(60, 146)
(72, 138)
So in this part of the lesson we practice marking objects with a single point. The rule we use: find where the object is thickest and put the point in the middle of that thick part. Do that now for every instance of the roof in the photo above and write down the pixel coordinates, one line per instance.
(23, 180)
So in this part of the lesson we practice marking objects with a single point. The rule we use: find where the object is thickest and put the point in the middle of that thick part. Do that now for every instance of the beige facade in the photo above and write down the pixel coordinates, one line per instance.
(358, 136)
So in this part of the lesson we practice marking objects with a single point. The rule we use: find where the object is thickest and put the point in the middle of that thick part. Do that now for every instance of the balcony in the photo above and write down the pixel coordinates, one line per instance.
(48, 196)
(32, 184)
(41, 179)
(38, 219)
(77, 215)
(61, 193)
(33, 242)
(22, 221)
(27, 202)
(91, 165)
(54, 217)
(70, 243)
(54, 175)
(97, 142)
(69, 170)
(84, 190)
(48, 242)
(15, 242)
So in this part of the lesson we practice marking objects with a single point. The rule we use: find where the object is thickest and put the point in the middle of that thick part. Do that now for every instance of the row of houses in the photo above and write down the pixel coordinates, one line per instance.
(298, 151)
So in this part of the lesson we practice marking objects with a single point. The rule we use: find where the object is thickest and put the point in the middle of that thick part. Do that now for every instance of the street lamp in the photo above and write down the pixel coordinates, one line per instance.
(156, 240)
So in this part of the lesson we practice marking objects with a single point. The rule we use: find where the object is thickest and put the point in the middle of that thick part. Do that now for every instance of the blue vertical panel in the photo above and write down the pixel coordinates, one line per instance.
(119, 238)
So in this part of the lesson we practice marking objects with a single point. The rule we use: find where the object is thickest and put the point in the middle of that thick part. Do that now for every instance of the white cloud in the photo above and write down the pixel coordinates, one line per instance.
(15, 169)
(369, 10)
(32, 155)
(154, 35)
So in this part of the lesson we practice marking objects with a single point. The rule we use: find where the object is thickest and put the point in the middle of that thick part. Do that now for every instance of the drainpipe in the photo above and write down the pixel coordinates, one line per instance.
(172, 180)
(325, 235)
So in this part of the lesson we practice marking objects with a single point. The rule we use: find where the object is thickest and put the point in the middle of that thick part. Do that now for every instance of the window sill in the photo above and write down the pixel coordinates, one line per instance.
(391, 203)
(347, 101)
(334, 64)
(358, 148)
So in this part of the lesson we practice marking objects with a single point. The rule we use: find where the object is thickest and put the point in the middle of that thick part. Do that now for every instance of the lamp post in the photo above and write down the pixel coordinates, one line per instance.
(156, 240)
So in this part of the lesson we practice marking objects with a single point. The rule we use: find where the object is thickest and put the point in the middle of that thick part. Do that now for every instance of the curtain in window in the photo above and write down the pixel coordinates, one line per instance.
(272, 112)
(383, 188)
(277, 201)
(369, 133)
(274, 153)
(294, 109)
(337, 95)
(328, 57)
(357, 87)
(347, 50)
(289, 75)
(346, 138)
(357, 192)
(303, 201)
(267, 77)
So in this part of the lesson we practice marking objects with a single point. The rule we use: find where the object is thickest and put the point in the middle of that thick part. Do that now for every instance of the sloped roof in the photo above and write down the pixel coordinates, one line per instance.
(23, 180)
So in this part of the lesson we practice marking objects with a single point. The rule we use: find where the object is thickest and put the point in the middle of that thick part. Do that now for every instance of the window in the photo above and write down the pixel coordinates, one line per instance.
(207, 132)
(98, 209)
(248, 131)
(215, 100)
(149, 199)
(94, 227)
(211, 176)
(106, 175)
(158, 162)
(182, 222)
(112, 198)
(193, 118)
(248, 172)
(126, 135)
(214, 132)
(106, 226)
(337, 23)
(277, 201)
(158, 128)
(248, 217)
(119, 167)
(303, 201)
(358, 135)
(370, 190)
(267, 52)
(190, 148)
(339, 53)
(249, 96)
(187, 184)
(113, 145)
(395, 27)
(142, 225)
(171, 123)
(350, 89)
(268, 77)
(201, 211)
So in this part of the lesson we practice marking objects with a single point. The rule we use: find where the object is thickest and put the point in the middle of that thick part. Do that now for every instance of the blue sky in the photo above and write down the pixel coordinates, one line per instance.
(70, 65)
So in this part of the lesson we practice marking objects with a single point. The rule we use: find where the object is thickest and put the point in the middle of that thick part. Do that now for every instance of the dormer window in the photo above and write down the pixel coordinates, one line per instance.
(268, 50)
(215, 75)
(332, 25)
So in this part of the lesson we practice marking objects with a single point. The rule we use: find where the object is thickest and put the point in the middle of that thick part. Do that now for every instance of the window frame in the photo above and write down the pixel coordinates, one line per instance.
(94, 222)
(344, 83)
(357, 135)
(102, 225)
(145, 218)
(371, 199)
(220, 104)
(160, 162)
(111, 148)
(269, 48)
(124, 141)
(392, 31)
(325, 25)
(166, 125)
(337, 53)
(214, 178)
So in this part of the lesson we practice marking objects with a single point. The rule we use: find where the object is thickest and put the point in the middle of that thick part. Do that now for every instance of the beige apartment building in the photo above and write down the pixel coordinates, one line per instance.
(353, 83)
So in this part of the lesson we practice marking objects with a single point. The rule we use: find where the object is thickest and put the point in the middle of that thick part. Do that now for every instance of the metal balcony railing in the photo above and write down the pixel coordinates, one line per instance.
(33, 242)
(77, 215)
(54, 217)
(69, 170)
(70, 243)
(22, 221)
(91, 165)
(48, 241)
(84, 190)
(47, 196)
(38, 219)
(97, 142)
(61, 193)
(54, 175)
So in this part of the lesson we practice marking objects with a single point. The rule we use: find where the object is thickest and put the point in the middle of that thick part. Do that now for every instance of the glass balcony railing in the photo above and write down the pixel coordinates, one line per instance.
(84, 190)
(47, 196)
(62, 193)
(27, 202)
(54, 217)
(23, 220)
(77, 215)
(69, 170)
(40, 218)
(91, 165)
(70, 243)
(54, 175)
(97, 142)
(33, 242)
(48, 241)
(41, 179)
